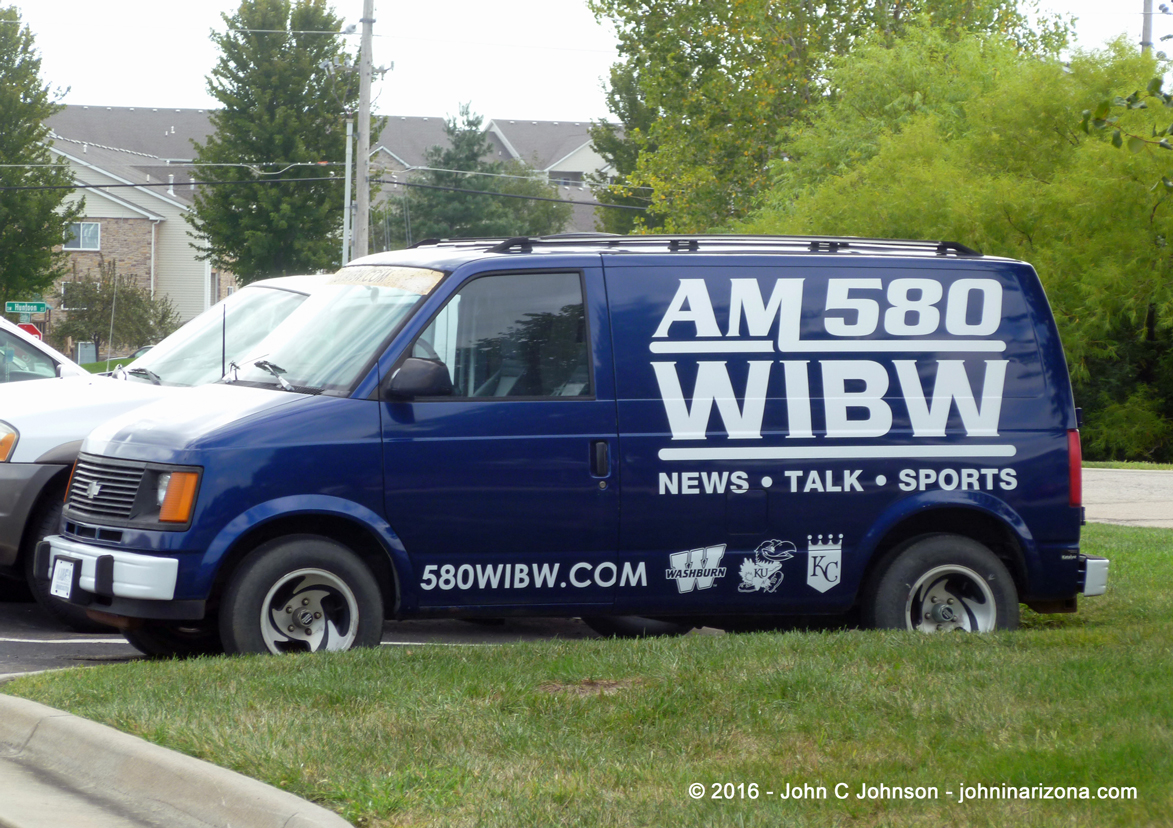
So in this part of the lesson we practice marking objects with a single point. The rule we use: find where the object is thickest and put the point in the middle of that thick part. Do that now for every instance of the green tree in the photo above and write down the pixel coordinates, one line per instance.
(973, 141)
(619, 145)
(33, 222)
(96, 301)
(462, 194)
(282, 114)
(722, 78)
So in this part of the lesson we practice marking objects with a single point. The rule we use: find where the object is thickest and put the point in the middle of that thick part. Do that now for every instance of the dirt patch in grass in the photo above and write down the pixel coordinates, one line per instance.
(589, 687)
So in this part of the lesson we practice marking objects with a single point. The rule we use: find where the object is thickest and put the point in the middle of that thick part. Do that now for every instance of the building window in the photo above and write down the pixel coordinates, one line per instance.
(70, 298)
(83, 235)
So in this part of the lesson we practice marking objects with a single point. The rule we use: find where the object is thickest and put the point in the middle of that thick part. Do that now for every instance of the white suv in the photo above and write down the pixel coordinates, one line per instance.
(42, 424)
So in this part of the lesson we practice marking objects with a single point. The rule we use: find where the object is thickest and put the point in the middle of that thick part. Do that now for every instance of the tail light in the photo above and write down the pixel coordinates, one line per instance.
(1075, 467)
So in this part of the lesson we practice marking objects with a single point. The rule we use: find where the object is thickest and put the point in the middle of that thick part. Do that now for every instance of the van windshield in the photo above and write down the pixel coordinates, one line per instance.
(334, 335)
(198, 352)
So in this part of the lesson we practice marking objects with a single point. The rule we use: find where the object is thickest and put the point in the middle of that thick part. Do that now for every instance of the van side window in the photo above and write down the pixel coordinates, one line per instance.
(513, 335)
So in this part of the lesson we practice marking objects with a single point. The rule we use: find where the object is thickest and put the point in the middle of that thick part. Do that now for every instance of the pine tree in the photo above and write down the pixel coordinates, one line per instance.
(33, 222)
(283, 114)
(458, 197)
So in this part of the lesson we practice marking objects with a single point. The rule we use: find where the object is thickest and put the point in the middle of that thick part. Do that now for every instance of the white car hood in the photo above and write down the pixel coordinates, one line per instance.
(48, 414)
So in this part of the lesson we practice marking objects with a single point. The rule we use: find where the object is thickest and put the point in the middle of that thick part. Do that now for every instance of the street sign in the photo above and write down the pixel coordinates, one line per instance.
(30, 329)
(25, 307)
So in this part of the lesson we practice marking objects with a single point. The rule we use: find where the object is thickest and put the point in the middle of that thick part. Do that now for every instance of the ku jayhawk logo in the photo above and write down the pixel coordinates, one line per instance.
(763, 572)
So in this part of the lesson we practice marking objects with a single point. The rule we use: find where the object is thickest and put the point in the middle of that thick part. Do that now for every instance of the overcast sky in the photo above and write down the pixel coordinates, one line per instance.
(532, 59)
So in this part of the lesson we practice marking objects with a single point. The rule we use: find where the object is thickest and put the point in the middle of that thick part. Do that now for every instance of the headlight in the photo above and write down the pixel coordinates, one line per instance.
(161, 484)
(8, 437)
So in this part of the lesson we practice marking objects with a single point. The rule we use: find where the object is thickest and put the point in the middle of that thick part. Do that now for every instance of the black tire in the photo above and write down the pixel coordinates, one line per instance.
(175, 639)
(942, 582)
(15, 590)
(635, 626)
(296, 575)
(47, 522)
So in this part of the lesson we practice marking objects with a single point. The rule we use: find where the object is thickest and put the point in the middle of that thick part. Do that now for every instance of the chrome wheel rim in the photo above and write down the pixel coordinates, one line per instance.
(948, 598)
(309, 610)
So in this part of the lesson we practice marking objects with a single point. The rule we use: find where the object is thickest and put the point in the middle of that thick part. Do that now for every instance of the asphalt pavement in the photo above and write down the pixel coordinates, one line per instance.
(57, 769)
(1129, 498)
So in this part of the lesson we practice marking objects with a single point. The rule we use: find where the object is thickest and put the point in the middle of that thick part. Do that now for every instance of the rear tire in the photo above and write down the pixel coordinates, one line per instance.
(301, 593)
(635, 626)
(47, 522)
(942, 583)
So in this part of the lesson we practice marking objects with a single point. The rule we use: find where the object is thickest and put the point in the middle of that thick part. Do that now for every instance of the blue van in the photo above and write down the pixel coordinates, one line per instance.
(647, 432)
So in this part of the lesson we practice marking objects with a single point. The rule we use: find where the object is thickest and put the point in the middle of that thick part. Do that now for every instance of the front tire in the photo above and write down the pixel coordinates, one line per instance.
(302, 593)
(943, 583)
(170, 639)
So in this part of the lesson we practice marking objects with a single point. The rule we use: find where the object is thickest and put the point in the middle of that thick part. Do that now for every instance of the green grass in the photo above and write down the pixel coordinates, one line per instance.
(100, 366)
(603, 732)
(1122, 464)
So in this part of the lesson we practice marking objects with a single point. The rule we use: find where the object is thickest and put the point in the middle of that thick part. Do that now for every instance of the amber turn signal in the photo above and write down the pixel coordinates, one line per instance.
(180, 498)
(7, 441)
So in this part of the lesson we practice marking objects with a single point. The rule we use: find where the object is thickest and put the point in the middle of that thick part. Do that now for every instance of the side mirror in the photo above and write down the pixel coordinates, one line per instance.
(420, 378)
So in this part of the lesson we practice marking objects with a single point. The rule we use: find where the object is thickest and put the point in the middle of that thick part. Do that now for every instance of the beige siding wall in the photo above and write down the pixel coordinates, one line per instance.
(98, 206)
(584, 160)
(179, 274)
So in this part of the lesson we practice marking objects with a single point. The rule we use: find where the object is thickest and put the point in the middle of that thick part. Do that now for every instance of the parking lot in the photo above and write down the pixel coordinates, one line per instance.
(29, 641)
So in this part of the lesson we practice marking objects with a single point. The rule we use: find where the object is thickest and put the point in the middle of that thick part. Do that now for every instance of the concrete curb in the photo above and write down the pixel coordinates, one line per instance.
(100, 762)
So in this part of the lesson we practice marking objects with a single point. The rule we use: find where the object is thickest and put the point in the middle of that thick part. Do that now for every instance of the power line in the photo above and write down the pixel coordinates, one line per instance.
(170, 184)
(320, 178)
(506, 195)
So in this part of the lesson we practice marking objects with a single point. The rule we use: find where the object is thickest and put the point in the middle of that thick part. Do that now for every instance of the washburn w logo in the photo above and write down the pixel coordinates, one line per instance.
(696, 568)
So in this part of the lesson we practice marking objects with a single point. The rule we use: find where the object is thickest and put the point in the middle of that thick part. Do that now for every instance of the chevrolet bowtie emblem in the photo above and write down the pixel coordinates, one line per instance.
(93, 489)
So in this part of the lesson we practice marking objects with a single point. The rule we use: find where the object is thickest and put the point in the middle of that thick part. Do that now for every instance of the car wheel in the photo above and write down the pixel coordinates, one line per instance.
(175, 639)
(46, 523)
(301, 594)
(943, 583)
(635, 626)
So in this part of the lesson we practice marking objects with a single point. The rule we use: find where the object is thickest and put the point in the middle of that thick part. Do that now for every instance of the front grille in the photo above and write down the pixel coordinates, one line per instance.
(104, 488)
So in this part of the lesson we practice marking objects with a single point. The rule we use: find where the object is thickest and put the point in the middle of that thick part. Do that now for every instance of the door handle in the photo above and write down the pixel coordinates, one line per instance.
(601, 458)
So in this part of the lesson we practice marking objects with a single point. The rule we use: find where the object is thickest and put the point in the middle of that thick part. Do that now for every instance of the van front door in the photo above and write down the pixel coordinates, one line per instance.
(504, 492)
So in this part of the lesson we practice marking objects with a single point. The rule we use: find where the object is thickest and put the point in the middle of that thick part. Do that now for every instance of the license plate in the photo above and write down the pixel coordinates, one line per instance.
(62, 585)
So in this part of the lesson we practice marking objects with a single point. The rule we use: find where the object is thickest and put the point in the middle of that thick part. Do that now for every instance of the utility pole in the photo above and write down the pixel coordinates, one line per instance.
(346, 199)
(362, 205)
(1146, 32)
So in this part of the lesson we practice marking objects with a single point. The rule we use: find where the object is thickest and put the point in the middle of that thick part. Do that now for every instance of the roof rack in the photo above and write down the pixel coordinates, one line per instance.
(705, 242)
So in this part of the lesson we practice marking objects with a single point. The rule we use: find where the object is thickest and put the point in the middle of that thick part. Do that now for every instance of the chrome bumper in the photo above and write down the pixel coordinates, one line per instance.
(1095, 575)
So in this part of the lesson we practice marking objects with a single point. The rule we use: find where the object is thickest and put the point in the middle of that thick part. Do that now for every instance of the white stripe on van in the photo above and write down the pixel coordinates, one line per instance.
(818, 346)
(836, 452)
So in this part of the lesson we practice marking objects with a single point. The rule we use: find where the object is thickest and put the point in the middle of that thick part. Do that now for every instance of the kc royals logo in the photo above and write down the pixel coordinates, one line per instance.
(823, 561)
